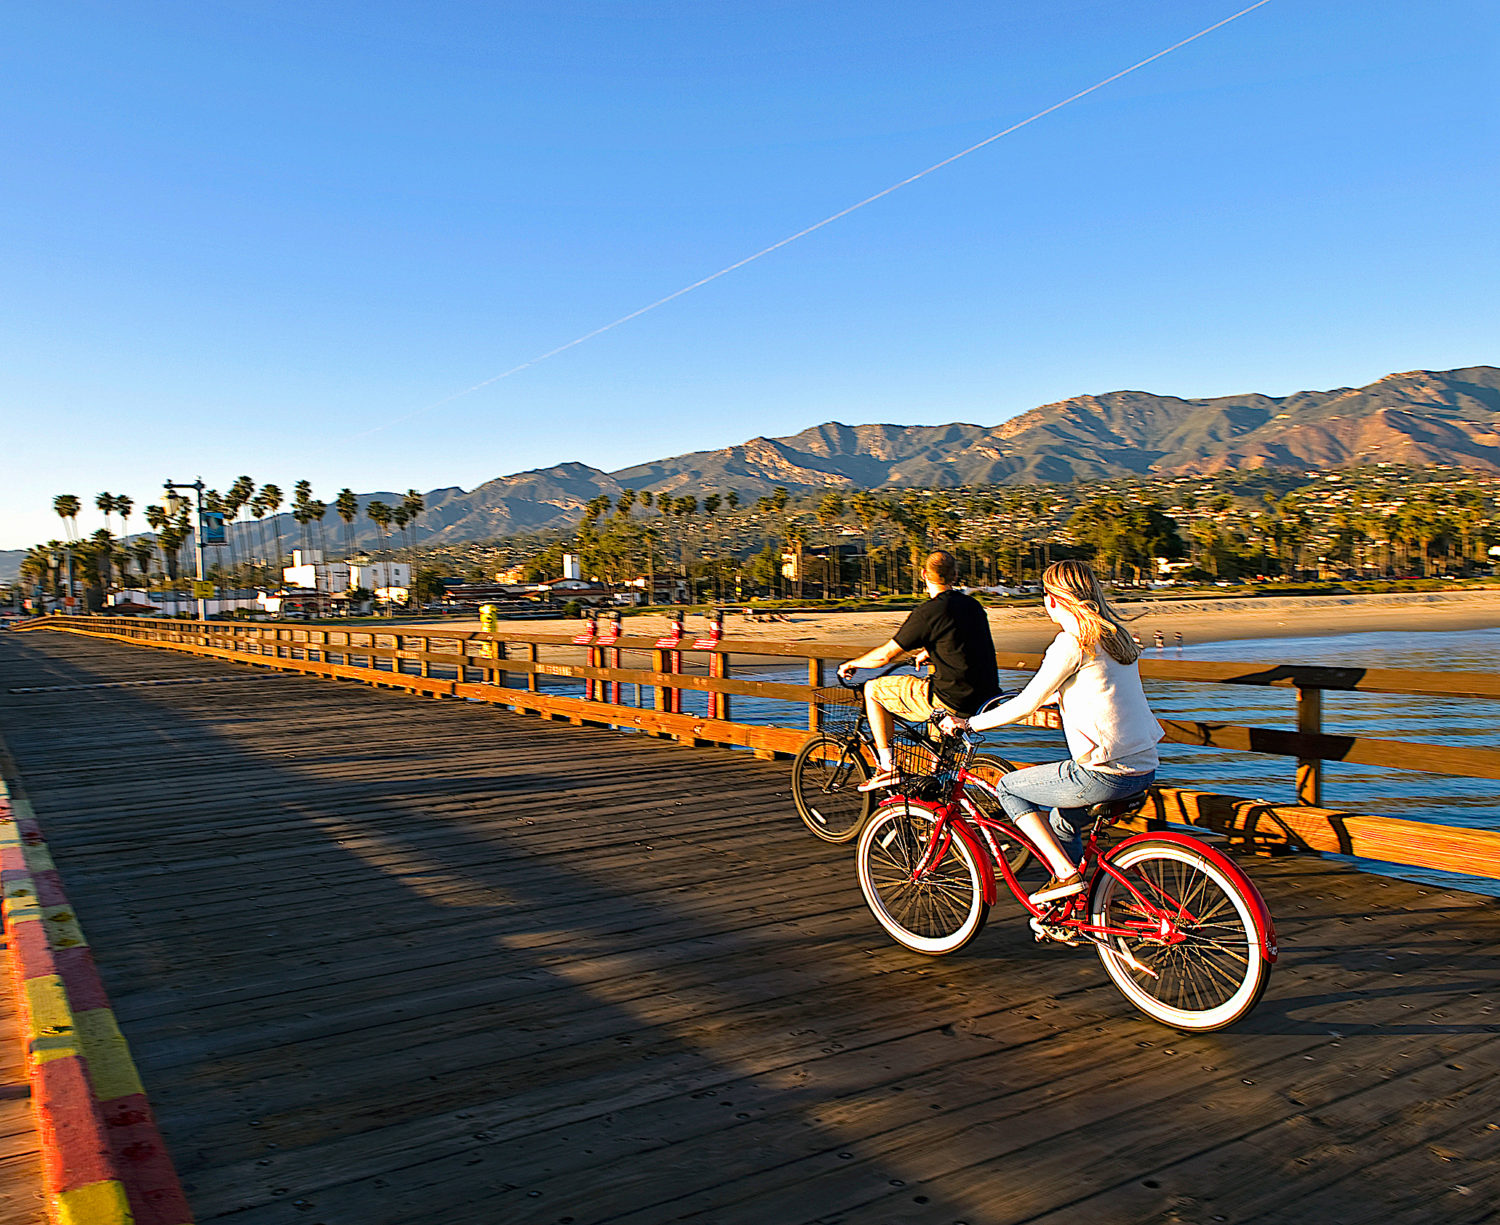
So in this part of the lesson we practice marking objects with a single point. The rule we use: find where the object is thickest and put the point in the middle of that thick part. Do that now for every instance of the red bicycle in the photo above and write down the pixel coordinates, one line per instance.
(1180, 930)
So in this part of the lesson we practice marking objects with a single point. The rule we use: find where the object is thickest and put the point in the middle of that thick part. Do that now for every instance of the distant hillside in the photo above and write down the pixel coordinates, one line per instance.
(1420, 417)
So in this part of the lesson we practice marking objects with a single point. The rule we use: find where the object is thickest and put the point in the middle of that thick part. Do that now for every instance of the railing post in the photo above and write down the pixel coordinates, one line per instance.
(815, 680)
(661, 661)
(718, 667)
(1310, 769)
(531, 657)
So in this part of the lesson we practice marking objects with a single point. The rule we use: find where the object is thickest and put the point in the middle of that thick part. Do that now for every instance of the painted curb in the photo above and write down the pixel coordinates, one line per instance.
(103, 1159)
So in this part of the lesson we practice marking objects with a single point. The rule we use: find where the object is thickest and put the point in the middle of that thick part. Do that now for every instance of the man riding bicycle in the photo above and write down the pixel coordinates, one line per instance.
(950, 634)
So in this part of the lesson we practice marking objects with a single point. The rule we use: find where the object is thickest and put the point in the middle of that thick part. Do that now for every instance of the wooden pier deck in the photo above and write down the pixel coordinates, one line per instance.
(382, 959)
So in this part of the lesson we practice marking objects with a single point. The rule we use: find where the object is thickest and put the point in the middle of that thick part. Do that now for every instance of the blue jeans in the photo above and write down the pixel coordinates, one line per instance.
(1067, 789)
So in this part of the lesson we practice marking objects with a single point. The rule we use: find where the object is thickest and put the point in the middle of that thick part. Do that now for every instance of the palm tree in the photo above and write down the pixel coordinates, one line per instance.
(143, 550)
(382, 515)
(866, 508)
(315, 511)
(301, 496)
(101, 548)
(270, 497)
(414, 504)
(239, 496)
(106, 503)
(830, 511)
(67, 507)
(124, 504)
(347, 505)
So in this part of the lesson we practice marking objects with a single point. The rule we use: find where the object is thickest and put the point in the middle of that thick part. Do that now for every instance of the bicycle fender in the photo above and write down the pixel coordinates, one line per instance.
(1265, 927)
(960, 828)
(981, 854)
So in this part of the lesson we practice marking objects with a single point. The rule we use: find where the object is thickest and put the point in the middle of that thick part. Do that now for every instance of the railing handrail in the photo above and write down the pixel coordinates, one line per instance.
(1415, 682)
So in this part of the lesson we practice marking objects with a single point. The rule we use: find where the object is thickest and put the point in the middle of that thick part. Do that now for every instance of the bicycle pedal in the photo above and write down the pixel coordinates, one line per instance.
(1053, 932)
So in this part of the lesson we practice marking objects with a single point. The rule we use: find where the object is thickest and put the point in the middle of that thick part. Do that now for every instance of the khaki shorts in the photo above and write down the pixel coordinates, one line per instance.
(906, 697)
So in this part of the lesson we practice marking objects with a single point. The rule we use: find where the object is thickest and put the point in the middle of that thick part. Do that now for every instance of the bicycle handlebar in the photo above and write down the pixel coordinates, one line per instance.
(886, 671)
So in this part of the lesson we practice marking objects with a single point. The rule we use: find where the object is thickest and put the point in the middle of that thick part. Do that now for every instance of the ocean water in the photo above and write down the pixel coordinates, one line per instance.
(1414, 795)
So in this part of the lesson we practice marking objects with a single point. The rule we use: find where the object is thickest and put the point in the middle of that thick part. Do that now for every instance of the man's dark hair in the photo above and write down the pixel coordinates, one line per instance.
(941, 567)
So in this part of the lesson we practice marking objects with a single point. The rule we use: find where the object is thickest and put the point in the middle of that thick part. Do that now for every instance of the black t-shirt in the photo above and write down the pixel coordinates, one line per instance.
(953, 628)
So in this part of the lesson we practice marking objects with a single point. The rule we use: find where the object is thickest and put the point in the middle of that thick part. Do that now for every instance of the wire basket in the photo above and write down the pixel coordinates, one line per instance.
(926, 768)
(839, 710)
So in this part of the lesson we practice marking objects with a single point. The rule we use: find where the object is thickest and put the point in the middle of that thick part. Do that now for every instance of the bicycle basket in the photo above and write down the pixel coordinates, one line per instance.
(927, 768)
(839, 710)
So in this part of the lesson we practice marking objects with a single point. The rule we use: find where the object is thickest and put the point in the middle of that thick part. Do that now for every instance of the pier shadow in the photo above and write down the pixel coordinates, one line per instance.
(485, 967)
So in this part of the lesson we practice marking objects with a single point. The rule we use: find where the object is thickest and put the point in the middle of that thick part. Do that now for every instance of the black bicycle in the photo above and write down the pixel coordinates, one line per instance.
(840, 755)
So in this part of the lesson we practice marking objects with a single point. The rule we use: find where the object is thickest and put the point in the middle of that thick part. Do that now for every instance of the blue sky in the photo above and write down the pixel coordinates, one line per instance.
(250, 237)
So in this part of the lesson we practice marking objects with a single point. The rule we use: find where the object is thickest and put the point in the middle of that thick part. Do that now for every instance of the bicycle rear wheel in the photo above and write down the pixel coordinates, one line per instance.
(936, 914)
(825, 787)
(1212, 976)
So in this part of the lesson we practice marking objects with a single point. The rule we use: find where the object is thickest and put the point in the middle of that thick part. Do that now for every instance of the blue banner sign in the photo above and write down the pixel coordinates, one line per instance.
(211, 528)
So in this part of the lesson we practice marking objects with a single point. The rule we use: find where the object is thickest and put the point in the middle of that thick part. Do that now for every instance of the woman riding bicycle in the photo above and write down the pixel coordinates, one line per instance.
(1112, 735)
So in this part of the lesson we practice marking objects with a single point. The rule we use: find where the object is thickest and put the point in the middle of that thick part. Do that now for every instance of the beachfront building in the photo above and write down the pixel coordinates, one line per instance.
(310, 572)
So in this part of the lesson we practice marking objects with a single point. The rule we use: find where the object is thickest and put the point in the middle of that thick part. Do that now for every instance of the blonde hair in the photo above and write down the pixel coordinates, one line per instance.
(1074, 585)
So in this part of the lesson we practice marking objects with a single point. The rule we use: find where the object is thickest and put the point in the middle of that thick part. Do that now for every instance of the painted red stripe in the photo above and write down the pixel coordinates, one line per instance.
(145, 1166)
(13, 859)
(29, 947)
(75, 1150)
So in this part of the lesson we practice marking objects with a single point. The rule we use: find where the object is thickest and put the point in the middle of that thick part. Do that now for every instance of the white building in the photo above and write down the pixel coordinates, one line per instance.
(308, 570)
(376, 575)
(572, 566)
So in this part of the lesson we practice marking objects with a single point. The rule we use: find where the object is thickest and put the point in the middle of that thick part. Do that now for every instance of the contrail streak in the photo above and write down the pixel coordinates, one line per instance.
(791, 238)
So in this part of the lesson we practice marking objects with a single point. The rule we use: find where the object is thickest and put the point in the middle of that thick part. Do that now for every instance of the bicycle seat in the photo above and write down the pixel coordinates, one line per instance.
(1113, 810)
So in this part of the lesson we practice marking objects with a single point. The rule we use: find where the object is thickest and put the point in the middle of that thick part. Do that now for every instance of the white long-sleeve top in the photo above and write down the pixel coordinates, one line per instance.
(1105, 716)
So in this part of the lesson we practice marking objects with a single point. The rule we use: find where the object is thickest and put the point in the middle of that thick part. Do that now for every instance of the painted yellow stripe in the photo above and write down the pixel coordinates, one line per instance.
(63, 929)
(99, 1203)
(23, 909)
(49, 1020)
(111, 1069)
(39, 859)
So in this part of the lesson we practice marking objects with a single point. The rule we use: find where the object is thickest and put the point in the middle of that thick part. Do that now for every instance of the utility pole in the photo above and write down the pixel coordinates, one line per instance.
(174, 503)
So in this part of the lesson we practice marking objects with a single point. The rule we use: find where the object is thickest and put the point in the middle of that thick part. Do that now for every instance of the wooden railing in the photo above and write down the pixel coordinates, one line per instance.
(505, 668)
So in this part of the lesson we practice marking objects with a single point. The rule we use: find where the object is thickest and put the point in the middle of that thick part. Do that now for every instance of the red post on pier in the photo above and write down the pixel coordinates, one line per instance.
(609, 653)
(672, 659)
(586, 639)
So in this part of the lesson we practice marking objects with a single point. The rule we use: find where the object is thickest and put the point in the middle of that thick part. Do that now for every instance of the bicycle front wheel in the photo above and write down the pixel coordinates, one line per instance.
(1211, 971)
(825, 787)
(990, 768)
(937, 912)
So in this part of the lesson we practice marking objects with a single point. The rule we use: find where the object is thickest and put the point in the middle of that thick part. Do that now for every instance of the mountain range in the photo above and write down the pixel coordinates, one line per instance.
(1418, 417)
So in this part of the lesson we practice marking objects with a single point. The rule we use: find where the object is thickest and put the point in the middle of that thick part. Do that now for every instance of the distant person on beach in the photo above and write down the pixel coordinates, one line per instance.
(1161, 641)
(1178, 636)
(1090, 669)
(950, 633)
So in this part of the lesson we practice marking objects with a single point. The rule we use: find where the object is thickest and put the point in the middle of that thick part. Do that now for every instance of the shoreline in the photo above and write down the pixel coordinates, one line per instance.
(1198, 621)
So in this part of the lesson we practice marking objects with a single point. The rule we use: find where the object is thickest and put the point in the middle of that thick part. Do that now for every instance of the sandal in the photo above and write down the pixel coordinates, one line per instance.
(880, 781)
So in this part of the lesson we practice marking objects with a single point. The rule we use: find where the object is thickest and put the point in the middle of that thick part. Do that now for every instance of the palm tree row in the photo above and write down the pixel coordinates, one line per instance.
(110, 557)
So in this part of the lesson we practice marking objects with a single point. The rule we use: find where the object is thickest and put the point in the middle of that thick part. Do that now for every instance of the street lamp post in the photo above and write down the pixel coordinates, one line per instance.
(174, 502)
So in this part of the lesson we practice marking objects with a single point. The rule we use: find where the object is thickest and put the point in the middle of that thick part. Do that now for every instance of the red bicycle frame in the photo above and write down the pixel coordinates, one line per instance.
(960, 818)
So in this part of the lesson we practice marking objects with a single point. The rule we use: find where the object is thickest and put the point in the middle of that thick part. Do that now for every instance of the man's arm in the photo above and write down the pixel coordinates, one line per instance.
(877, 657)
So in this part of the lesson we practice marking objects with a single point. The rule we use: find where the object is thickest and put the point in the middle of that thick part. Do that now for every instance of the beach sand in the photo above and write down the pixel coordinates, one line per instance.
(1197, 620)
